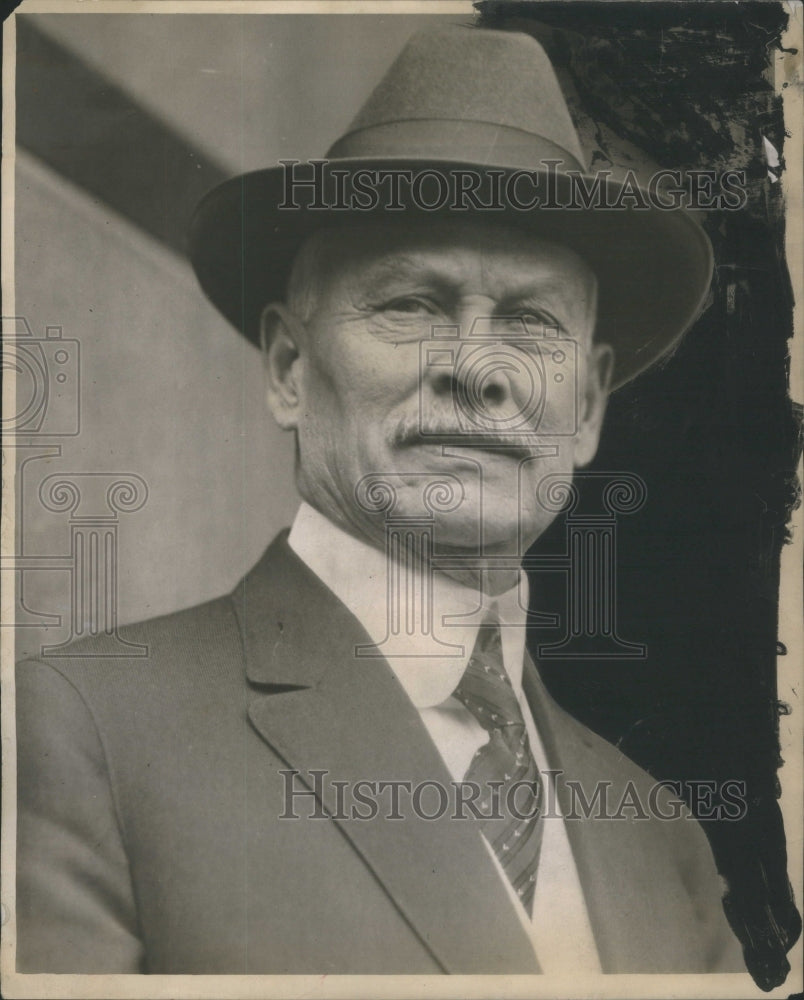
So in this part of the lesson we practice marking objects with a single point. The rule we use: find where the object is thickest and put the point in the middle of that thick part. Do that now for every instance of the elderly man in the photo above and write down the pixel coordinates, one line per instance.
(310, 776)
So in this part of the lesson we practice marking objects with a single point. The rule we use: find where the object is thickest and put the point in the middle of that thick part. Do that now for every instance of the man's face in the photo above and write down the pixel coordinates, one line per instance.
(450, 349)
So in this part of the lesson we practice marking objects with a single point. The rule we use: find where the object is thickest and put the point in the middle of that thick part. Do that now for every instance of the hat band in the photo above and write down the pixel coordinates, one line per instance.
(484, 143)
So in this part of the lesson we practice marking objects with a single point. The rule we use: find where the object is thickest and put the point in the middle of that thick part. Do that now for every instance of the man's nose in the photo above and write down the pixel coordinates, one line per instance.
(483, 391)
(484, 369)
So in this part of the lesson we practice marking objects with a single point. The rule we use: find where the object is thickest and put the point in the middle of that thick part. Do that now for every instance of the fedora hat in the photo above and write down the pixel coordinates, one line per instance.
(485, 106)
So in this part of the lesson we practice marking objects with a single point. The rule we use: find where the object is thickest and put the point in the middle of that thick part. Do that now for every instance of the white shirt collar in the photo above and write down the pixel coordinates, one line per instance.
(356, 572)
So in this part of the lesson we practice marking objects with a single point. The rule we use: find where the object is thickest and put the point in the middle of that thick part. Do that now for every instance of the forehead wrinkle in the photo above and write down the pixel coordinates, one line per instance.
(402, 264)
(456, 256)
(552, 292)
(459, 264)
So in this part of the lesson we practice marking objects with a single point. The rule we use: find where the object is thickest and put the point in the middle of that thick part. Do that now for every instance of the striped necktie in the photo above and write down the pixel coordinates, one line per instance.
(504, 768)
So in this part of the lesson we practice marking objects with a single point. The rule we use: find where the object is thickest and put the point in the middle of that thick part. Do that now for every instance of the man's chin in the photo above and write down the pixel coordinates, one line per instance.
(469, 534)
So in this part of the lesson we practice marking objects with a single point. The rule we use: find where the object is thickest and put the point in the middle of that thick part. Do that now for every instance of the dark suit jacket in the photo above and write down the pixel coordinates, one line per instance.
(149, 797)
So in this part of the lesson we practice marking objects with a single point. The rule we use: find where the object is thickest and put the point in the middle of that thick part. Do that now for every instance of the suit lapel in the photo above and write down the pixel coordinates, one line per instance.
(321, 708)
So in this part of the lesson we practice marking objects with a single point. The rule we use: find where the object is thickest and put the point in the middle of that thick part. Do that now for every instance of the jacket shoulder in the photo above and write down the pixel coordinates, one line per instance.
(195, 641)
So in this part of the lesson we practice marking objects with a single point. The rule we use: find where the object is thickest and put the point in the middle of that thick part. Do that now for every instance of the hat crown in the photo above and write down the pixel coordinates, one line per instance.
(457, 75)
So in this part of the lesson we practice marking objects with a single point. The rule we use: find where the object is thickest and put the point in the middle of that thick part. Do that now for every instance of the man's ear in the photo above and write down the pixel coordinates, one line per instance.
(280, 342)
(592, 402)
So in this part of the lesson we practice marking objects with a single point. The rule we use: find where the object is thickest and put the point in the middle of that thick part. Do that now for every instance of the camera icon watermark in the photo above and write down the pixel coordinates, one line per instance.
(507, 380)
(46, 374)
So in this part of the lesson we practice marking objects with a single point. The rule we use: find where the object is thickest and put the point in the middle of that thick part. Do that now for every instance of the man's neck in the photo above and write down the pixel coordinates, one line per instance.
(491, 582)
(463, 570)
(495, 572)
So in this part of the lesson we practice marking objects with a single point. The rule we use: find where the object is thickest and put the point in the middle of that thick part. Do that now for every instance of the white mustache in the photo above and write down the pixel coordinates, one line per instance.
(414, 431)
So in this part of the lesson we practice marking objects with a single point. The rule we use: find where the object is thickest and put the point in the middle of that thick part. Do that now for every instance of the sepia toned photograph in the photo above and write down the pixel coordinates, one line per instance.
(402, 536)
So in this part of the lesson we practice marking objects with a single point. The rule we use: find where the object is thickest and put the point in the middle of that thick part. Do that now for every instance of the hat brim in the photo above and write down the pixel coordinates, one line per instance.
(653, 266)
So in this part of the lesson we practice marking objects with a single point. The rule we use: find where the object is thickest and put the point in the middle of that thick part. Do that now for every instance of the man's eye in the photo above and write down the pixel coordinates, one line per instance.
(409, 306)
(536, 321)
(406, 318)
